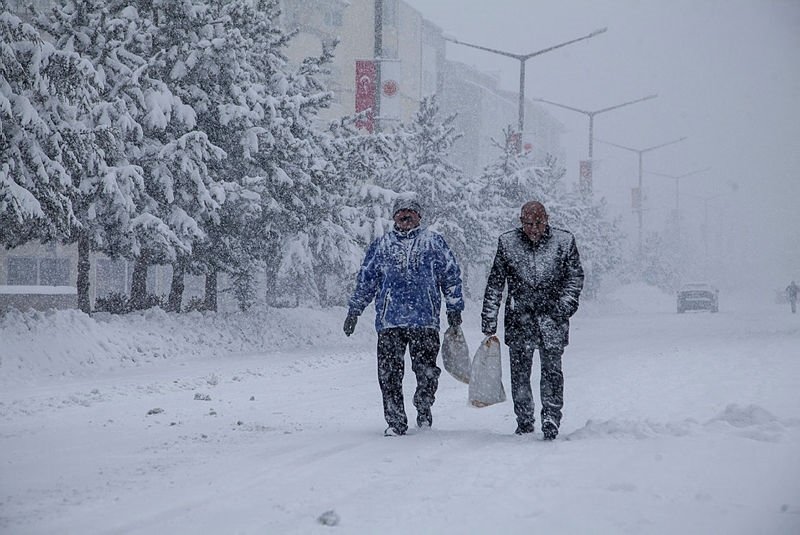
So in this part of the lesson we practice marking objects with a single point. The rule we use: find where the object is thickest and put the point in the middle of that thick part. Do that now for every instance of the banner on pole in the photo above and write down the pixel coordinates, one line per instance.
(365, 93)
(636, 199)
(391, 108)
(586, 176)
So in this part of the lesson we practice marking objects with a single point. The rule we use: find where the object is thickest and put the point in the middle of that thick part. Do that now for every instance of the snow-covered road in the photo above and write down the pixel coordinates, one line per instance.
(673, 424)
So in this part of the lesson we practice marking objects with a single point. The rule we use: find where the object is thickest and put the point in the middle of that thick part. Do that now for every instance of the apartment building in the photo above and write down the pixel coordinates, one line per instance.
(415, 47)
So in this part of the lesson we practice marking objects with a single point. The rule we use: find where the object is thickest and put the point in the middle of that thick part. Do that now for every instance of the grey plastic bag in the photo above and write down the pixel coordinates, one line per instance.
(486, 375)
(455, 354)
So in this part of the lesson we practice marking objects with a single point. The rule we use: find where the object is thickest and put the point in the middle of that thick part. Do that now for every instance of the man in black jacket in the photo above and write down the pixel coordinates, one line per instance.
(543, 270)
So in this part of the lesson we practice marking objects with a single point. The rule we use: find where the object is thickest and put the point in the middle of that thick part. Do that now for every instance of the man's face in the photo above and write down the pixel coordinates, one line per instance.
(534, 222)
(406, 219)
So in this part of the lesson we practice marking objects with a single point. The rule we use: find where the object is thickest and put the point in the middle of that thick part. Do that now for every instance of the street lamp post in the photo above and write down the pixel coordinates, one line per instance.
(677, 179)
(522, 58)
(378, 53)
(640, 195)
(705, 200)
(591, 114)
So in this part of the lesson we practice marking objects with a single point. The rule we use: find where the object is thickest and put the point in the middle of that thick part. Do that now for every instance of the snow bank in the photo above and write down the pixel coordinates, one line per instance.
(38, 344)
(630, 298)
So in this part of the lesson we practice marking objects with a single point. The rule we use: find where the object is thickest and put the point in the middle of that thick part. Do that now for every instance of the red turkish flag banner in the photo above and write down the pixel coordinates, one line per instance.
(365, 93)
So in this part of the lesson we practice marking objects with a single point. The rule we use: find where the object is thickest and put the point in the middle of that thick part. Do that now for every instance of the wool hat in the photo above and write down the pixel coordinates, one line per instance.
(406, 203)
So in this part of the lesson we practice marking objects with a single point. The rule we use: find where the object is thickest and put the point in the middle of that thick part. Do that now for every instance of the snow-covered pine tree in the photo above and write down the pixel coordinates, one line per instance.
(514, 179)
(508, 181)
(501, 189)
(364, 160)
(598, 236)
(272, 126)
(333, 249)
(658, 264)
(108, 187)
(421, 162)
(141, 196)
(190, 178)
(360, 160)
(41, 91)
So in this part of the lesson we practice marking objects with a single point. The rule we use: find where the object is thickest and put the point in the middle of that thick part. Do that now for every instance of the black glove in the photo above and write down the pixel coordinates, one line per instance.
(564, 309)
(350, 324)
(453, 318)
(488, 327)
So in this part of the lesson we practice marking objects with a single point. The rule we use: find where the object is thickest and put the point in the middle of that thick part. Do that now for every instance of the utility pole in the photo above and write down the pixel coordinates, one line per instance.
(522, 58)
(677, 179)
(378, 53)
(640, 193)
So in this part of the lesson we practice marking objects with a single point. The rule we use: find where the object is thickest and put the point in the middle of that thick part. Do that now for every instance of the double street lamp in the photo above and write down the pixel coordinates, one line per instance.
(522, 58)
(591, 114)
(677, 179)
(638, 197)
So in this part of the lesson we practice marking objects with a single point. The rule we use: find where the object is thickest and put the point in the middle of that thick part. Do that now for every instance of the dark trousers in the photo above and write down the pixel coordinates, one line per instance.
(423, 346)
(793, 302)
(551, 386)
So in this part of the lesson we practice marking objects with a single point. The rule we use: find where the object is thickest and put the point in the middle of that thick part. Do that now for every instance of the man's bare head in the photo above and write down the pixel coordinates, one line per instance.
(533, 217)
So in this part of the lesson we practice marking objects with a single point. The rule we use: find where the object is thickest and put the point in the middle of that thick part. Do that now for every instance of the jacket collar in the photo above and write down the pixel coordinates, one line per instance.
(543, 239)
(408, 233)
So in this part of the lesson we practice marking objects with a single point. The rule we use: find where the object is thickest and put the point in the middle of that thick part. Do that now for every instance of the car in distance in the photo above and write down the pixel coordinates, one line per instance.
(698, 296)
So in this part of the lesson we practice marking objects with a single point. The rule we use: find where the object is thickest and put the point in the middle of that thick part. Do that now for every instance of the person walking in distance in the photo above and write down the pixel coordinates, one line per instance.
(407, 271)
(542, 268)
(791, 294)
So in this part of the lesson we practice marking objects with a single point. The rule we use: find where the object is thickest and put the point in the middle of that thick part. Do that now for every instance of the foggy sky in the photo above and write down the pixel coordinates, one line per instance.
(727, 73)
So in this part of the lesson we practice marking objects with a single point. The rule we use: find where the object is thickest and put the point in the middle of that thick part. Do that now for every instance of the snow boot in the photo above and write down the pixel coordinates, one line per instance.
(524, 429)
(549, 429)
(424, 418)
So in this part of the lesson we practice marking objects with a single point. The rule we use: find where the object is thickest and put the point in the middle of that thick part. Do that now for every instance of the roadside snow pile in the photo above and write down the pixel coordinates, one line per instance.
(753, 422)
(631, 298)
(68, 342)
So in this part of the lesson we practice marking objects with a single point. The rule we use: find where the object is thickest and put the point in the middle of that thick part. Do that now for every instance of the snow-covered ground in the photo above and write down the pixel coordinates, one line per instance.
(271, 423)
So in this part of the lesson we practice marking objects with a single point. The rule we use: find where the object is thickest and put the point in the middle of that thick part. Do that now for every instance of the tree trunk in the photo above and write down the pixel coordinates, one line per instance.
(139, 283)
(211, 290)
(84, 265)
(272, 263)
(177, 286)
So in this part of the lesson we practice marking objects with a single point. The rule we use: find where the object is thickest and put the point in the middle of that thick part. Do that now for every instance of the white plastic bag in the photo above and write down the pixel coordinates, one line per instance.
(486, 375)
(455, 354)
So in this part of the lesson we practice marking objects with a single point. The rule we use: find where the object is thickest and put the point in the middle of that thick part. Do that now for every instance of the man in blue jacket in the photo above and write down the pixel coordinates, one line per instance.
(406, 271)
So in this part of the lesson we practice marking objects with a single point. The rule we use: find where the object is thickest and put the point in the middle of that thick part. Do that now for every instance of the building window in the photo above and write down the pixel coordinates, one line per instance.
(54, 271)
(21, 271)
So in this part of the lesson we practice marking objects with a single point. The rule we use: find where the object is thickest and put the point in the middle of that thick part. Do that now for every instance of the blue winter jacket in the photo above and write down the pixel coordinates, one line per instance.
(405, 273)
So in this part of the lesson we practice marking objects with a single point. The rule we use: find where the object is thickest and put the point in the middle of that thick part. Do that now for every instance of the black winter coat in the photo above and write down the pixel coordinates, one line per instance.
(544, 286)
